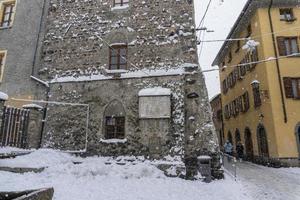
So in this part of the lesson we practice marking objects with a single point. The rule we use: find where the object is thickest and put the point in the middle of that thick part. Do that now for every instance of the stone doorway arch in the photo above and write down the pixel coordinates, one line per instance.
(248, 144)
(262, 141)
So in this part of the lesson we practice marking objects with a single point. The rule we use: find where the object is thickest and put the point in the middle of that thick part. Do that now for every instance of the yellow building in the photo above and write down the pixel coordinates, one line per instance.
(260, 81)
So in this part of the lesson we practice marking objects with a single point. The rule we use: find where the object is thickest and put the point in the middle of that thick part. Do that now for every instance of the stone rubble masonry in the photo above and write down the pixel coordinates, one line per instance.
(159, 34)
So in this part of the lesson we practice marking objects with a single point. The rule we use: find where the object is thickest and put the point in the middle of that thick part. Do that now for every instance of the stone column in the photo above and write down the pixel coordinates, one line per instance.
(34, 125)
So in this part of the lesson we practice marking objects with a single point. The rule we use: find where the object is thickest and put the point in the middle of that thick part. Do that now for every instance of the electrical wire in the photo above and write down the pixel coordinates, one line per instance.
(256, 62)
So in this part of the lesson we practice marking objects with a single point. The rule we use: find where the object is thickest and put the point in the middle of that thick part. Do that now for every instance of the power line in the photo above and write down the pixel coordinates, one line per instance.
(205, 13)
(256, 62)
(254, 37)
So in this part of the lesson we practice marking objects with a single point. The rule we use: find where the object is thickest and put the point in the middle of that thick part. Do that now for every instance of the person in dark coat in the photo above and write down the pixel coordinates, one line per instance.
(240, 150)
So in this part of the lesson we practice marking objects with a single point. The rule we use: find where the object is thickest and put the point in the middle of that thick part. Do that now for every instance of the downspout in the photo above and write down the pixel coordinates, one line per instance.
(38, 38)
(277, 63)
(32, 73)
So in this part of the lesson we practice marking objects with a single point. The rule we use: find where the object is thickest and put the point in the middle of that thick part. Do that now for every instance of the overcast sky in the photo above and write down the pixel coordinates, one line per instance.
(220, 18)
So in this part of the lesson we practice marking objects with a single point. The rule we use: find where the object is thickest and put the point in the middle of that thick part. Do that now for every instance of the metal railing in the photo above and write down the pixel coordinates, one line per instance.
(229, 164)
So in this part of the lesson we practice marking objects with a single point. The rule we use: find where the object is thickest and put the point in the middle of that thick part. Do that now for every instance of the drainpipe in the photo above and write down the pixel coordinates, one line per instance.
(36, 79)
(277, 63)
(38, 38)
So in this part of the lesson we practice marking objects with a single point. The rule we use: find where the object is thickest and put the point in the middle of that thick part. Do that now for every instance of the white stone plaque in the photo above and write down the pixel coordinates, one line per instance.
(154, 107)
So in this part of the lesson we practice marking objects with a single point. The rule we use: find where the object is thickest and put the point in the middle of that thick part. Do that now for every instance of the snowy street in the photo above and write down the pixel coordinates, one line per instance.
(269, 183)
(136, 178)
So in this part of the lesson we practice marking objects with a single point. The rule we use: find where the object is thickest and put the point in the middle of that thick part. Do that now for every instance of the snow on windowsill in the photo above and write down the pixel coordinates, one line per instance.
(3, 96)
(120, 7)
(113, 141)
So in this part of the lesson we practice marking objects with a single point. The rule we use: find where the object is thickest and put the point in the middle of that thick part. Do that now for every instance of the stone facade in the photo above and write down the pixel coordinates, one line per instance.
(160, 36)
(73, 56)
(158, 33)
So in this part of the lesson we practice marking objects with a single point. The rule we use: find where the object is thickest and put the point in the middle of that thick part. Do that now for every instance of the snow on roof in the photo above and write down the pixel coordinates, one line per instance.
(32, 106)
(3, 96)
(156, 91)
(189, 65)
(130, 74)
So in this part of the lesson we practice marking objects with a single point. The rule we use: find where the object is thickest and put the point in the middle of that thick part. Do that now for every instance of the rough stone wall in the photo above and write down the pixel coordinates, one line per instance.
(158, 33)
(65, 127)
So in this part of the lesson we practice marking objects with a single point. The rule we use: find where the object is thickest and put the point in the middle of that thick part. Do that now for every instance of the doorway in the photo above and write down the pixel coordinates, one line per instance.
(248, 144)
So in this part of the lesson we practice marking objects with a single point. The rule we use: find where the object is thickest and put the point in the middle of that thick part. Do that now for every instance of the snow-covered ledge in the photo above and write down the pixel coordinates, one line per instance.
(113, 141)
(32, 106)
(3, 96)
(124, 7)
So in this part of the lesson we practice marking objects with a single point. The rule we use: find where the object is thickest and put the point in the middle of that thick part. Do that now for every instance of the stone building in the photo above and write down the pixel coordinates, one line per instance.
(122, 78)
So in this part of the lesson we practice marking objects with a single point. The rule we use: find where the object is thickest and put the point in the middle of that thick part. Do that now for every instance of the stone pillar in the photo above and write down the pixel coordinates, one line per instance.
(34, 125)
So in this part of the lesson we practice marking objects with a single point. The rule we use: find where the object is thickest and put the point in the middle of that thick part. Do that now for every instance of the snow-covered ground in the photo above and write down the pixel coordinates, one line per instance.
(110, 179)
(139, 179)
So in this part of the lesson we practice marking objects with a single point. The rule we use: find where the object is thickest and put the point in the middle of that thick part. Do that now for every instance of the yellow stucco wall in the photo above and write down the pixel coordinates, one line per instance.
(281, 136)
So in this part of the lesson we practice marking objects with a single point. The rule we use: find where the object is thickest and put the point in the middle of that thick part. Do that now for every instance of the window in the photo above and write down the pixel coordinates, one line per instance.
(118, 57)
(292, 87)
(286, 14)
(115, 127)
(7, 14)
(225, 86)
(114, 120)
(229, 57)
(2, 58)
(246, 104)
(249, 30)
(287, 45)
(256, 95)
(118, 3)
(238, 46)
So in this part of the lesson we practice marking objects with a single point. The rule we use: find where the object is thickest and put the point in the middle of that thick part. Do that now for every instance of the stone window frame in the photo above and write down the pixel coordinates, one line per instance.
(3, 55)
(121, 3)
(116, 49)
(11, 13)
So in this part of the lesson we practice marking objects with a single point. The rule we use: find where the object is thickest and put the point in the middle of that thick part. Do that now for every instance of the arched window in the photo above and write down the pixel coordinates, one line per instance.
(114, 120)
(248, 144)
(237, 136)
(262, 141)
(229, 137)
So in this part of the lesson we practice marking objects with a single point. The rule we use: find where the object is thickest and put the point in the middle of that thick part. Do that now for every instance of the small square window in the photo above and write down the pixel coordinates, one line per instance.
(118, 57)
(286, 14)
